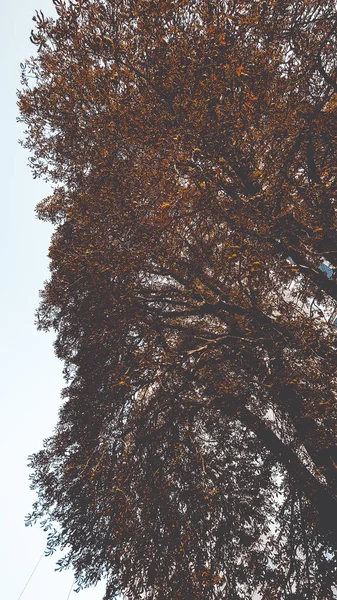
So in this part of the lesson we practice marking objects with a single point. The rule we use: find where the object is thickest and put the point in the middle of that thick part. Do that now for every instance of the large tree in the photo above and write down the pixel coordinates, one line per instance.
(191, 146)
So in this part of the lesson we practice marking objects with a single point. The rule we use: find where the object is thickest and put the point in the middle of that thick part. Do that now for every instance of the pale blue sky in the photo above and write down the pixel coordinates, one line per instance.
(30, 373)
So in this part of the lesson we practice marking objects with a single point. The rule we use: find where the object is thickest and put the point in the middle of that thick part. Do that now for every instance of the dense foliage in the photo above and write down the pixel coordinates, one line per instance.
(191, 146)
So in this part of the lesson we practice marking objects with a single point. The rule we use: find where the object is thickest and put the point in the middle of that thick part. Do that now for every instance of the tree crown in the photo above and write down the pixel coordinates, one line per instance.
(191, 146)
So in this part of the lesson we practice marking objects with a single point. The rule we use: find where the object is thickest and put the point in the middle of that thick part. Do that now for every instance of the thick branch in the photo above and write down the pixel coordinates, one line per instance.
(327, 78)
(319, 496)
(204, 309)
(317, 276)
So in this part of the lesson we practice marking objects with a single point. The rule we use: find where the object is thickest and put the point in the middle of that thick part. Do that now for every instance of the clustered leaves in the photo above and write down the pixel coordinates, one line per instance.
(191, 146)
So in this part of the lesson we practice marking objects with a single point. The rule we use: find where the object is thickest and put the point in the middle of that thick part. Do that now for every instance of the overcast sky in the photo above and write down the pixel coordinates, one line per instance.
(30, 374)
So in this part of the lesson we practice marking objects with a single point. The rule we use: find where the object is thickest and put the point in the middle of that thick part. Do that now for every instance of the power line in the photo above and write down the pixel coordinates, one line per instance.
(32, 573)
(71, 589)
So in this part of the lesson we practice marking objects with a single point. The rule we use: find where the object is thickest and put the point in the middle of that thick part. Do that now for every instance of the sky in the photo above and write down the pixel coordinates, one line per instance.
(31, 376)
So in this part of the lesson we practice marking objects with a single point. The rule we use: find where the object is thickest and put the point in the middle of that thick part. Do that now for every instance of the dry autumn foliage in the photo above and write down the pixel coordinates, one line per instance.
(191, 146)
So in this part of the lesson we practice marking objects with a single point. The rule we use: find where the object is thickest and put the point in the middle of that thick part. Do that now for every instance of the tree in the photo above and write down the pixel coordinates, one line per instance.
(191, 146)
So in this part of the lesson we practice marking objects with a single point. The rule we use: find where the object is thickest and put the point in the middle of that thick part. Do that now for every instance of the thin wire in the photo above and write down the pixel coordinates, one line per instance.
(71, 589)
(32, 573)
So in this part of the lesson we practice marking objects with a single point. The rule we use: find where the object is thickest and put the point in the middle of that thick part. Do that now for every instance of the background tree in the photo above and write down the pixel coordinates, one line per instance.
(192, 149)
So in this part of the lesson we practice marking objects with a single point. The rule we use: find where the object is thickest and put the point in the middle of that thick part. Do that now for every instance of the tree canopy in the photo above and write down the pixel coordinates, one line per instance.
(191, 147)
